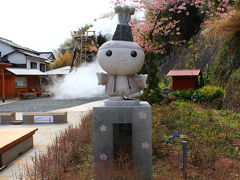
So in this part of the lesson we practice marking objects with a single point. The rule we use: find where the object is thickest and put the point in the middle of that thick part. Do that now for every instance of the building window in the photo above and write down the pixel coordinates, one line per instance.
(33, 65)
(20, 82)
(42, 67)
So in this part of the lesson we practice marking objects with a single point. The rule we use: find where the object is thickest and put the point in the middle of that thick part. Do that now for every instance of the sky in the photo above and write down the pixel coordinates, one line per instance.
(43, 25)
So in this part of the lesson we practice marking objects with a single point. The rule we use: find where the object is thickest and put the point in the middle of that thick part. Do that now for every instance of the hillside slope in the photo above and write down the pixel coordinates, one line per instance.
(232, 97)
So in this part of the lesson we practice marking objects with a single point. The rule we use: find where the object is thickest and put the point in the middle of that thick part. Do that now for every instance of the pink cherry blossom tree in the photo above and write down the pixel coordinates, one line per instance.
(167, 24)
(162, 22)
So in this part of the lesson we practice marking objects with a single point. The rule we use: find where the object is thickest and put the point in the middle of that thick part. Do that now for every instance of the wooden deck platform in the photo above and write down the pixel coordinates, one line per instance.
(14, 142)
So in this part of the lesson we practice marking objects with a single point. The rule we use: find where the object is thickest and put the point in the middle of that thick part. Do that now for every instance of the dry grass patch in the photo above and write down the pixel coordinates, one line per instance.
(223, 27)
(70, 150)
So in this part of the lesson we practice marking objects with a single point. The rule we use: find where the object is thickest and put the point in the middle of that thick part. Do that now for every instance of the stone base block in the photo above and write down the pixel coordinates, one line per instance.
(6, 118)
(137, 119)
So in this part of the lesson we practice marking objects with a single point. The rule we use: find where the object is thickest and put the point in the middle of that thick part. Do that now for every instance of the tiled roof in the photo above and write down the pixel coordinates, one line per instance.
(31, 54)
(9, 42)
(24, 71)
(184, 72)
(45, 55)
(60, 71)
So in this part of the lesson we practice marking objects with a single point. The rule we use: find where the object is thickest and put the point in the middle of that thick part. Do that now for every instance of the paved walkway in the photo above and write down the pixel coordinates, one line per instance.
(7, 101)
(43, 104)
(43, 137)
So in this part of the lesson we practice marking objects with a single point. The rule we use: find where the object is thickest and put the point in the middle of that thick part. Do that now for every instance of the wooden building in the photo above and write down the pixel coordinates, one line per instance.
(185, 79)
(17, 81)
(21, 69)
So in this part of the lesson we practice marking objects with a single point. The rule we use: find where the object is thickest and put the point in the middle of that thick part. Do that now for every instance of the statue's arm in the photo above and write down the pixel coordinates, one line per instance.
(141, 80)
(102, 78)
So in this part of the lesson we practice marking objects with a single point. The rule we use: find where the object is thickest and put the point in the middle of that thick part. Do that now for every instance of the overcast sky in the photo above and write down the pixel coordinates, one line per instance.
(43, 25)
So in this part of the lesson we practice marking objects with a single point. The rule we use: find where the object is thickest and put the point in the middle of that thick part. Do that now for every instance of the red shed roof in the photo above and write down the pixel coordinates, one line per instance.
(184, 72)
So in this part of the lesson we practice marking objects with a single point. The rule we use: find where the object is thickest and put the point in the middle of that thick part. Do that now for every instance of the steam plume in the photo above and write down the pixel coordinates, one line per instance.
(80, 83)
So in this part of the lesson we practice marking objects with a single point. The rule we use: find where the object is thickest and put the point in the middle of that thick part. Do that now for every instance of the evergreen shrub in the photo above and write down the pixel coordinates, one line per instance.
(207, 94)
(183, 94)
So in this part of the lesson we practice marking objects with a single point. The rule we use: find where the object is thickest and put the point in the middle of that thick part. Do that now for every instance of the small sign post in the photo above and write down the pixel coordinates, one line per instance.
(184, 149)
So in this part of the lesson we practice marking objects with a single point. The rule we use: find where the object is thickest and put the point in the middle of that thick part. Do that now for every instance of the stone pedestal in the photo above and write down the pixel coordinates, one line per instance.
(136, 119)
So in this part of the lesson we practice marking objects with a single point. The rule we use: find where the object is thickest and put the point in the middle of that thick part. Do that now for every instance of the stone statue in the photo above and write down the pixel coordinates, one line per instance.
(122, 124)
(124, 13)
(122, 59)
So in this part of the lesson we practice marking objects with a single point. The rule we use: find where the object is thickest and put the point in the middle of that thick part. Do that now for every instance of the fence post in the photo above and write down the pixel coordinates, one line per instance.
(184, 159)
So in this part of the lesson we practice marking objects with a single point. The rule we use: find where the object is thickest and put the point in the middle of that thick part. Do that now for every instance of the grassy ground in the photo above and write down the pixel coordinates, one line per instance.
(213, 141)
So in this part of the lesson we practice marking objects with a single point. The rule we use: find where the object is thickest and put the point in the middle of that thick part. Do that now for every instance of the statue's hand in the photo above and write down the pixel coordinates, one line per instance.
(141, 80)
(102, 78)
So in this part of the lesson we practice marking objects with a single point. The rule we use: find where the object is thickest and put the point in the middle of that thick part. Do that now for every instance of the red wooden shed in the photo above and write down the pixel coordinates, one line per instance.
(16, 81)
(184, 78)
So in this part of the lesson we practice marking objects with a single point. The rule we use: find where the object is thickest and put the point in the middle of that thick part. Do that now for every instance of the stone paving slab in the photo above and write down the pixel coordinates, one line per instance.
(44, 136)
(44, 104)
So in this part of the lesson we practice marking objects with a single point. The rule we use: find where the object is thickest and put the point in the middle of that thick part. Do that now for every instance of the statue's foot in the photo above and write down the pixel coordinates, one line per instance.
(127, 97)
(134, 95)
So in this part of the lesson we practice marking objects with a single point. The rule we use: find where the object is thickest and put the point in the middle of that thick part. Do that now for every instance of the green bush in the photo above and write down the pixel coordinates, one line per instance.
(152, 96)
(183, 94)
(207, 94)
(211, 96)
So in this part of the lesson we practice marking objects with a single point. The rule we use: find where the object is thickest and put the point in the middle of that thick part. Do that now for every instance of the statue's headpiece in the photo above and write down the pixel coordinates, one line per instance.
(123, 31)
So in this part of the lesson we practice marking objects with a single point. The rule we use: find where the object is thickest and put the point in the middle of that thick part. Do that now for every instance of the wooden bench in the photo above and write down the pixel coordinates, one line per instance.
(29, 95)
(38, 92)
(14, 142)
(44, 117)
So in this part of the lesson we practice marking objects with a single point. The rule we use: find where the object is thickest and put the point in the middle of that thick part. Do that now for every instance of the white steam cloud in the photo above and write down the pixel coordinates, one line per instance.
(80, 83)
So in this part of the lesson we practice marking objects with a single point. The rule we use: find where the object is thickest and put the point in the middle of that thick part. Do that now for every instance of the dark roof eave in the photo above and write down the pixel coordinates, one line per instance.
(35, 57)
(23, 53)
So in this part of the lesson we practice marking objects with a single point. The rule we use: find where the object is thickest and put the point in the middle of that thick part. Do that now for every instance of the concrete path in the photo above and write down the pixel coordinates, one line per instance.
(43, 137)
(7, 101)
(43, 104)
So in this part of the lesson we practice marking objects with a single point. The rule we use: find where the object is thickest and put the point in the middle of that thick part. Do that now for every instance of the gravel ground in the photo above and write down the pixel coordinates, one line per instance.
(44, 104)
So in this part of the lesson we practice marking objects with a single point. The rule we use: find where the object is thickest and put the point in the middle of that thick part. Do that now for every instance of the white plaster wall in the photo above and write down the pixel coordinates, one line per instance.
(5, 49)
(17, 58)
(38, 61)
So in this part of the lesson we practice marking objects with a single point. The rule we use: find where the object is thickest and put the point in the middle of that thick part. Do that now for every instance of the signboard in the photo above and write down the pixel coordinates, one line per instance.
(43, 119)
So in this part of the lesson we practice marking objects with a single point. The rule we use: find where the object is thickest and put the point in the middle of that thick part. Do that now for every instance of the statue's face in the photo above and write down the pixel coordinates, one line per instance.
(121, 57)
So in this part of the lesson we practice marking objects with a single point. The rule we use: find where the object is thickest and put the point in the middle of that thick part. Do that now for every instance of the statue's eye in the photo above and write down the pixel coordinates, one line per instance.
(133, 53)
(108, 53)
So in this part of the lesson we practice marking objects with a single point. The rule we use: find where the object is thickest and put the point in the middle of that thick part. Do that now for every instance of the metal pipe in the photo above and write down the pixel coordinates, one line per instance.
(184, 159)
